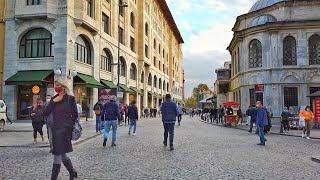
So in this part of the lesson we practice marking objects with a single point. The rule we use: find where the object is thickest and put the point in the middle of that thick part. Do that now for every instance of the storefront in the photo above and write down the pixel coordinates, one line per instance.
(128, 94)
(31, 85)
(105, 94)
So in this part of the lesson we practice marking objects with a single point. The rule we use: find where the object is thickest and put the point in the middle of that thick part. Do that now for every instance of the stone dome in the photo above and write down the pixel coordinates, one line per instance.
(260, 20)
(264, 3)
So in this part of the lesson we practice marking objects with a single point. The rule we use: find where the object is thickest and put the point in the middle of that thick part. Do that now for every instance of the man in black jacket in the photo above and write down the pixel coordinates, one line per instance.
(133, 117)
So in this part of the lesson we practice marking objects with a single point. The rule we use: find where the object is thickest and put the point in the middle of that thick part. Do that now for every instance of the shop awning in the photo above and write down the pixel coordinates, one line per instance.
(109, 84)
(126, 89)
(90, 81)
(316, 94)
(159, 96)
(29, 77)
(136, 90)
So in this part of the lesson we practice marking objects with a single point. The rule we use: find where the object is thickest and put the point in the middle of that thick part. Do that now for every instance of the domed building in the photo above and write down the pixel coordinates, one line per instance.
(275, 54)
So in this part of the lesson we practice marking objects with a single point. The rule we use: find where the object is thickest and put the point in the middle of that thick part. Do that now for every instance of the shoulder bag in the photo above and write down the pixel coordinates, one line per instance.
(77, 129)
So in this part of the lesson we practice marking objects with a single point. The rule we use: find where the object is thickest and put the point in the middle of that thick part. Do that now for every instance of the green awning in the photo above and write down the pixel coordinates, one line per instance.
(28, 77)
(109, 84)
(90, 81)
(126, 89)
(316, 94)
(155, 95)
(136, 90)
(159, 96)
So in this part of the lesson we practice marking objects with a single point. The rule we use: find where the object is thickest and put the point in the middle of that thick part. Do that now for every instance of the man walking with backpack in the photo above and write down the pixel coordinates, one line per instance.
(133, 117)
(98, 111)
(169, 113)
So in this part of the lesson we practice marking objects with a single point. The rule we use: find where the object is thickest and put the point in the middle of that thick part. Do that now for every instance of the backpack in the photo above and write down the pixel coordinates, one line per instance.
(97, 109)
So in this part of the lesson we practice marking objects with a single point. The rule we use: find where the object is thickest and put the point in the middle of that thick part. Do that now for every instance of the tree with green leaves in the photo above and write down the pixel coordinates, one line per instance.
(199, 89)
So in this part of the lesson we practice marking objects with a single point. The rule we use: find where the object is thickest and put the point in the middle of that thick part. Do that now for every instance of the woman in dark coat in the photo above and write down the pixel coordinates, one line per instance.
(64, 110)
(37, 121)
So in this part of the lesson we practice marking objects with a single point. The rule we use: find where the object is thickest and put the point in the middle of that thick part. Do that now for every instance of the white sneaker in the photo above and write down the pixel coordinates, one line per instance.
(134, 134)
(303, 135)
(308, 138)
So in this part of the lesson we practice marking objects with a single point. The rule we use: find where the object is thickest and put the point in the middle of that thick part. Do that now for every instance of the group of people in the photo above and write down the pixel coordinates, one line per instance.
(217, 114)
(152, 112)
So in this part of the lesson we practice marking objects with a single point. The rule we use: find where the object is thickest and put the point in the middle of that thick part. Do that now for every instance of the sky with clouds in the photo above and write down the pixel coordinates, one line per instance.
(206, 28)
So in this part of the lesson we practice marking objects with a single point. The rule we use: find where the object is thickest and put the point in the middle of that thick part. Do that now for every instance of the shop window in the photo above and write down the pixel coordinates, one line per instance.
(36, 43)
(133, 72)
(255, 54)
(106, 60)
(122, 67)
(290, 96)
(82, 50)
(289, 51)
(33, 2)
(314, 50)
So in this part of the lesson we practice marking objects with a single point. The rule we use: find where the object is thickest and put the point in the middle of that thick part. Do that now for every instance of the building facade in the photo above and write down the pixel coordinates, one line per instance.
(2, 37)
(221, 86)
(43, 36)
(275, 54)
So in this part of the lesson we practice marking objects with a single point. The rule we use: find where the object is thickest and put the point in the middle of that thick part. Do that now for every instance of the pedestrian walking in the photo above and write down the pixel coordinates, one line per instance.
(284, 120)
(155, 112)
(308, 116)
(112, 116)
(220, 114)
(253, 114)
(64, 110)
(239, 113)
(248, 116)
(145, 112)
(121, 109)
(49, 131)
(8, 119)
(98, 112)
(262, 121)
(38, 121)
(87, 111)
(169, 113)
(126, 116)
(79, 110)
(180, 112)
(133, 117)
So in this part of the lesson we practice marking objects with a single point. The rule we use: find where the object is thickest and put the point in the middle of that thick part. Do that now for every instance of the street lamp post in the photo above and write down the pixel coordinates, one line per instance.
(121, 5)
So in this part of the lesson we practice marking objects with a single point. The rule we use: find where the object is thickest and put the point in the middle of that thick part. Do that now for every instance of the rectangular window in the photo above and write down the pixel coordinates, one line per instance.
(105, 23)
(155, 61)
(159, 65)
(33, 2)
(89, 7)
(252, 97)
(290, 96)
(146, 51)
(121, 39)
(132, 44)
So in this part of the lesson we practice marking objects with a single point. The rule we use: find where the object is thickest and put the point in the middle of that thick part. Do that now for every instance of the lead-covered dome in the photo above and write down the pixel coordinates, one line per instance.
(264, 3)
(260, 20)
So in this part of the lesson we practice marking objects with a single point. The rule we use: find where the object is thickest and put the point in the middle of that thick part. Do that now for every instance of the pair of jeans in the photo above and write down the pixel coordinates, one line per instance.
(261, 134)
(307, 127)
(107, 125)
(168, 129)
(251, 126)
(37, 127)
(133, 122)
(126, 118)
(98, 123)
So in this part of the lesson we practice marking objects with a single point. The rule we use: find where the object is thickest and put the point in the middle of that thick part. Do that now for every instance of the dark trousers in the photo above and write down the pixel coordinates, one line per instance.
(126, 118)
(284, 126)
(251, 126)
(37, 127)
(179, 118)
(220, 119)
(168, 129)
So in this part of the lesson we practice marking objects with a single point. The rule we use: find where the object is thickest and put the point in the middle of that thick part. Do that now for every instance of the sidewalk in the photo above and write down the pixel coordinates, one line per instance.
(275, 129)
(20, 134)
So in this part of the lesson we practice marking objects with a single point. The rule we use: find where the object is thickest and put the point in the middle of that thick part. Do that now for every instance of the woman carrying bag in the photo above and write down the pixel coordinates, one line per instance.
(63, 109)
(37, 121)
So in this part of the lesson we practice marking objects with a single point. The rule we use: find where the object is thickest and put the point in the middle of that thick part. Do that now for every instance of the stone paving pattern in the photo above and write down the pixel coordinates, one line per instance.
(201, 152)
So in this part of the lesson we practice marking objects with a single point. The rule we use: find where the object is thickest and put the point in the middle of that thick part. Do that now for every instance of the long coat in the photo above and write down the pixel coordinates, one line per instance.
(65, 115)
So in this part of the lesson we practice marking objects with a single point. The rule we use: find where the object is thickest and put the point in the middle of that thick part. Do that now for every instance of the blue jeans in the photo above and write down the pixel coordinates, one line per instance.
(261, 134)
(98, 123)
(107, 125)
(133, 122)
(168, 129)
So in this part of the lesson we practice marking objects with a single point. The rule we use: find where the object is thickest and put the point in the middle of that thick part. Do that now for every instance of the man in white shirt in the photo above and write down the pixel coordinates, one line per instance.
(79, 108)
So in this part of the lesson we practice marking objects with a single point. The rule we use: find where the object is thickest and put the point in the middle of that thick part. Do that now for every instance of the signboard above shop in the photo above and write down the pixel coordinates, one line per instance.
(259, 88)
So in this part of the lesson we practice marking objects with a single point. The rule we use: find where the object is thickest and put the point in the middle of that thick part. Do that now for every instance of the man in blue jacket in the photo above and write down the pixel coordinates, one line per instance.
(169, 113)
(111, 115)
(253, 114)
(261, 122)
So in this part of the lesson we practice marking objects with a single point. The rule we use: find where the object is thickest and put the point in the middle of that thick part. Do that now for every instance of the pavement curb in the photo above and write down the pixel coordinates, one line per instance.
(315, 159)
(280, 134)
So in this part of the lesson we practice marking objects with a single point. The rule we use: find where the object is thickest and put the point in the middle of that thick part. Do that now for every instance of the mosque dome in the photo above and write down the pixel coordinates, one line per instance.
(263, 4)
(260, 20)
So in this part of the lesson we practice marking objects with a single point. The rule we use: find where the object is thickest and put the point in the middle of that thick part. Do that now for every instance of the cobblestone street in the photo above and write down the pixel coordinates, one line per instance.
(202, 151)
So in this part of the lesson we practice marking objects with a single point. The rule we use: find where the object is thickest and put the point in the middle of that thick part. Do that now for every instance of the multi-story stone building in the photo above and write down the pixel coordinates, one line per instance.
(221, 86)
(2, 32)
(82, 36)
(275, 54)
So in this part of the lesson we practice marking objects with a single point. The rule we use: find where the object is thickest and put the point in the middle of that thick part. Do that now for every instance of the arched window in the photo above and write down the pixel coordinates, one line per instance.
(155, 80)
(36, 43)
(167, 87)
(289, 51)
(314, 50)
(150, 80)
(133, 72)
(106, 60)
(122, 67)
(82, 50)
(164, 85)
(142, 77)
(132, 19)
(255, 54)
(154, 43)
(160, 83)
(146, 29)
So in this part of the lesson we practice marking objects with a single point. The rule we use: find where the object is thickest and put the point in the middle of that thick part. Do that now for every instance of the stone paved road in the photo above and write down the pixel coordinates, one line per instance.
(202, 151)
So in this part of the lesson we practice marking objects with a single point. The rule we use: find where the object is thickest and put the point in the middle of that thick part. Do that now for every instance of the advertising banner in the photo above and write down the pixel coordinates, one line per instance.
(317, 110)
(105, 95)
